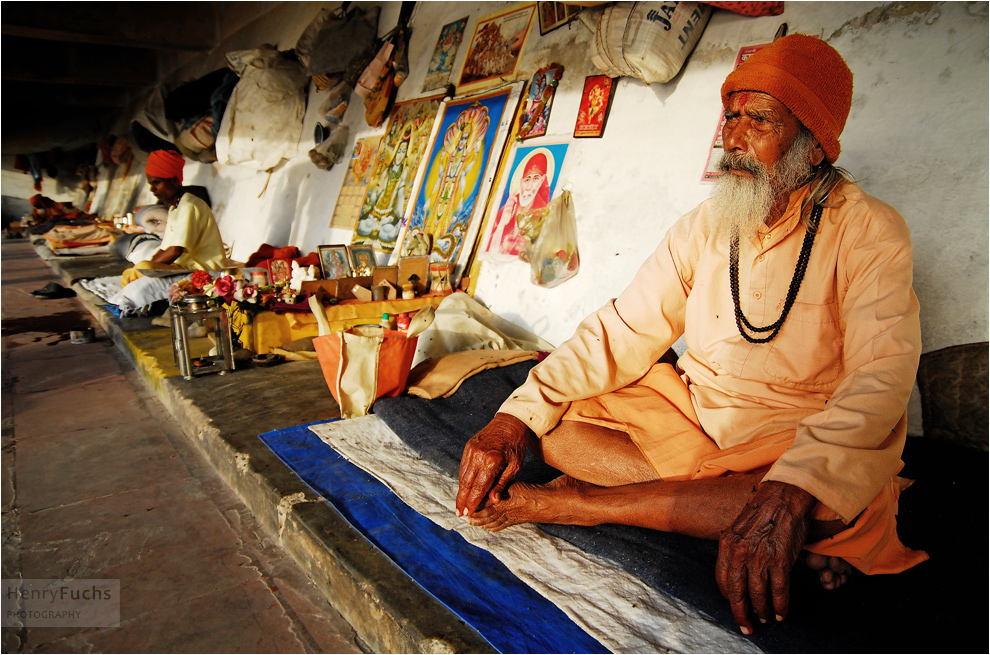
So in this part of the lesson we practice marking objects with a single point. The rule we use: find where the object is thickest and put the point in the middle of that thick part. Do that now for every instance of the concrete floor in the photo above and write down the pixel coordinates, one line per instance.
(98, 482)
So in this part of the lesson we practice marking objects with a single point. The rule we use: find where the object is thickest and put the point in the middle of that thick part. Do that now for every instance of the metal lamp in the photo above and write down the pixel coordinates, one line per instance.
(192, 355)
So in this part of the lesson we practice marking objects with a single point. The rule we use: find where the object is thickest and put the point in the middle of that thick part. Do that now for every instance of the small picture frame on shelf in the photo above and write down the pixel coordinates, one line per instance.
(279, 272)
(361, 259)
(334, 261)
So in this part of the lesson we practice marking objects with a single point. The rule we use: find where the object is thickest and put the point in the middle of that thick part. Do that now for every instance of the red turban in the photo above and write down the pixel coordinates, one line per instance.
(808, 77)
(165, 164)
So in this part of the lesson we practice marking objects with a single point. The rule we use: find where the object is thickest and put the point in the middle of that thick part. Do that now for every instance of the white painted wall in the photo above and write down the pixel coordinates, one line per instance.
(916, 137)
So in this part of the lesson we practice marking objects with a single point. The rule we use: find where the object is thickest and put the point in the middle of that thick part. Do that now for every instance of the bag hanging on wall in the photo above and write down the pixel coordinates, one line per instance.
(648, 40)
(554, 258)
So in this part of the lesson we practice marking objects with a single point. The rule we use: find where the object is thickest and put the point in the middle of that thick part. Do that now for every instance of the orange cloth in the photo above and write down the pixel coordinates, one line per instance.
(808, 76)
(682, 451)
(839, 373)
(165, 164)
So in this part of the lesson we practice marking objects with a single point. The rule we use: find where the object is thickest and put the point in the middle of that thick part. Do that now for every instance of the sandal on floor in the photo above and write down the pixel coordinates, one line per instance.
(52, 290)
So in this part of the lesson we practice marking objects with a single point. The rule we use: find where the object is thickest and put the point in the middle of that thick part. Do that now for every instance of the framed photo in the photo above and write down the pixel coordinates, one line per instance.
(419, 266)
(333, 261)
(536, 112)
(279, 272)
(361, 259)
(596, 102)
(442, 61)
(497, 42)
(555, 14)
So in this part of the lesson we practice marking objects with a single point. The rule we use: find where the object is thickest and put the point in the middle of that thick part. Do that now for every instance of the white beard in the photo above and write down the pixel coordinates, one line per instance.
(741, 202)
(745, 202)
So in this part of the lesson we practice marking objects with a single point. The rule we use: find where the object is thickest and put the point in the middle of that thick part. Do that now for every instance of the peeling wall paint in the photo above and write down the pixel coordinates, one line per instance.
(916, 138)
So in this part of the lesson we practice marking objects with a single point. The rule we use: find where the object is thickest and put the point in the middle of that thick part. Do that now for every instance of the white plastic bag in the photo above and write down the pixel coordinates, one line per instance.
(554, 258)
(648, 40)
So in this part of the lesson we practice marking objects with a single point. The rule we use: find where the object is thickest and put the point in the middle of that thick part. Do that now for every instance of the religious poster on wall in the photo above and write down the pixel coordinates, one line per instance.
(348, 207)
(495, 46)
(394, 173)
(462, 158)
(529, 184)
(442, 61)
(596, 102)
(536, 111)
(711, 173)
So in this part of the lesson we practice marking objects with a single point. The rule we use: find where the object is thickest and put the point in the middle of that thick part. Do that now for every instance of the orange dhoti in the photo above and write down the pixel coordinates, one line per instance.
(657, 414)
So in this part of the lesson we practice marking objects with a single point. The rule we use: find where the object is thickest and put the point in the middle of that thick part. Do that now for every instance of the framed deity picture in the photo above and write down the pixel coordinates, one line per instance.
(596, 102)
(356, 179)
(393, 173)
(333, 261)
(442, 61)
(497, 42)
(555, 14)
(529, 184)
(279, 272)
(461, 160)
(536, 111)
(361, 259)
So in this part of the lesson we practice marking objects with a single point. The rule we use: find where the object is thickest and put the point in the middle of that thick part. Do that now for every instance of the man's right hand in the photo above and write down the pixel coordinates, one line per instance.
(490, 460)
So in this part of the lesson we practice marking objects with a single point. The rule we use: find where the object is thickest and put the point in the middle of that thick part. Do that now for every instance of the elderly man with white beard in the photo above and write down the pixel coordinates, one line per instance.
(781, 428)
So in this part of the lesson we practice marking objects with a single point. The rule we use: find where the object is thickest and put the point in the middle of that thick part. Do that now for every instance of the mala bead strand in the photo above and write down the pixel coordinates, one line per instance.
(799, 269)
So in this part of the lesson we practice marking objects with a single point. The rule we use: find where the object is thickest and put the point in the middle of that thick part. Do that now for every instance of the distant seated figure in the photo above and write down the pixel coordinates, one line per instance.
(192, 239)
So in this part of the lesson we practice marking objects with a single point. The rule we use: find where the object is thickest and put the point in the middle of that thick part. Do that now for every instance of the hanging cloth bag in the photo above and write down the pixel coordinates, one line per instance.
(554, 258)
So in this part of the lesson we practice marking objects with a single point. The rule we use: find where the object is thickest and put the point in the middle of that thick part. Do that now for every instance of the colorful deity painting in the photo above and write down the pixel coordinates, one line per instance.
(495, 47)
(530, 184)
(352, 192)
(442, 61)
(394, 172)
(453, 193)
(536, 112)
(596, 101)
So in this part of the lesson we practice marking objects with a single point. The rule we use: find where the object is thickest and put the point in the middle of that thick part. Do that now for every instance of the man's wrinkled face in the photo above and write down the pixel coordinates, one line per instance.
(165, 189)
(758, 126)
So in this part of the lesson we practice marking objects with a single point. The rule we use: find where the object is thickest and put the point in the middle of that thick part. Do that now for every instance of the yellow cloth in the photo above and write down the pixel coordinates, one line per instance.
(682, 451)
(840, 371)
(268, 330)
(191, 226)
(134, 272)
(91, 235)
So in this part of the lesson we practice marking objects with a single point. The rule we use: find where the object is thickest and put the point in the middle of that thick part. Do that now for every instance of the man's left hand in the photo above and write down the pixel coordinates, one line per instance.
(756, 554)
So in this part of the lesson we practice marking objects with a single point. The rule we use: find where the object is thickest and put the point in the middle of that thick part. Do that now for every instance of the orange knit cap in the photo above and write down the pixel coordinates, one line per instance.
(808, 76)
(165, 164)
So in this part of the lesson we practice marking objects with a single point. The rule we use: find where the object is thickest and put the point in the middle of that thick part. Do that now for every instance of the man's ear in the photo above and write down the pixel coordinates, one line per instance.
(817, 155)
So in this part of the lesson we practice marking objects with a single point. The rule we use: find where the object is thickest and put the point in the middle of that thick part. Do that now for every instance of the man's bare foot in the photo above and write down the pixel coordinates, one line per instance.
(554, 502)
(833, 572)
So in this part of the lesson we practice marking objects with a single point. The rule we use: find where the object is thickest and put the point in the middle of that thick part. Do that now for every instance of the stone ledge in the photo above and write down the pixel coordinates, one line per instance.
(223, 416)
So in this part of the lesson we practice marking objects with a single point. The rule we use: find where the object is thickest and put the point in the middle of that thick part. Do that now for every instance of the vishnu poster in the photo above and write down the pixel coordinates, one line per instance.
(394, 173)
(530, 183)
(468, 139)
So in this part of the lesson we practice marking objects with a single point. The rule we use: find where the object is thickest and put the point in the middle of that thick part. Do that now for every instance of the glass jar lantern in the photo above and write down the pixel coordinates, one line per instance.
(197, 355)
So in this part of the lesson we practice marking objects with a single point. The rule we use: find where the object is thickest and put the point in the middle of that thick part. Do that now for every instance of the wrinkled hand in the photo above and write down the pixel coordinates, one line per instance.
(756, 554)
(490, 460)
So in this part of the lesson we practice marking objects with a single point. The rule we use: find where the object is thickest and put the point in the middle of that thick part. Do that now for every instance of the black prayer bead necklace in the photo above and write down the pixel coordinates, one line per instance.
(792, 291)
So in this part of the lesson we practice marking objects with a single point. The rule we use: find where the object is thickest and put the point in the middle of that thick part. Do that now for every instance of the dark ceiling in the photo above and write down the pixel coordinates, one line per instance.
(71, 69)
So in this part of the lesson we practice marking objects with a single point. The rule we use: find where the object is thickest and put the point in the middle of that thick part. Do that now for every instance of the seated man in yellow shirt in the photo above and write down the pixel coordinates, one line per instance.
(782, 426)
(192, 239)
